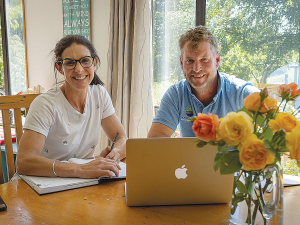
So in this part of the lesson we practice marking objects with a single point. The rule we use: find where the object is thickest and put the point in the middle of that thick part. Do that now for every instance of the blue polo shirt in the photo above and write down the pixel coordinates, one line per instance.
(179, 103)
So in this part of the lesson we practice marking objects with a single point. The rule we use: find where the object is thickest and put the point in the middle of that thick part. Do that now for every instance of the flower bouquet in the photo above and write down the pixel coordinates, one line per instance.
(251, 143)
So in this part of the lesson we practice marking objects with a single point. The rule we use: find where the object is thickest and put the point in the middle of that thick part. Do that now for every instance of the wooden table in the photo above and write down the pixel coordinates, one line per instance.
(105, 204)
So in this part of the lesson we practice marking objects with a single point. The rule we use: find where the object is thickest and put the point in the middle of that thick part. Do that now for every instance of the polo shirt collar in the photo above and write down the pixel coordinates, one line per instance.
(219, 87)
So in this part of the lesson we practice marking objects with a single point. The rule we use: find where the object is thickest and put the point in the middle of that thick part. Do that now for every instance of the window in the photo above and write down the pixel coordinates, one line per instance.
(170, 19)
(12, 49)
(259, 41)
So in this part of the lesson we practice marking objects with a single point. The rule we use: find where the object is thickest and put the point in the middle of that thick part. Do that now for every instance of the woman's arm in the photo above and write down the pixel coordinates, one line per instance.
(111, 126)
(29, 161)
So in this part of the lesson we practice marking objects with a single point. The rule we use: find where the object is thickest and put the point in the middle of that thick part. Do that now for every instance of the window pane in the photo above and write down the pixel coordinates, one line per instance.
(16, 47)
(2, 90)
(171, 18)
(259, 40)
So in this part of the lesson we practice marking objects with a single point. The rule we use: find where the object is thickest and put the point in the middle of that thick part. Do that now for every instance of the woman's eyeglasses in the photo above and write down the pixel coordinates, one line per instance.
(85, 62)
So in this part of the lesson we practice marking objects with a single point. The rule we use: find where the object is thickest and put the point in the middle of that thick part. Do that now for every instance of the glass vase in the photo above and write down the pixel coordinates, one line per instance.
(257, 197)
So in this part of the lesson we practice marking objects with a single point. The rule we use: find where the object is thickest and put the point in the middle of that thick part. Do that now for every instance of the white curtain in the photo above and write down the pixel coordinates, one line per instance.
(129, 78)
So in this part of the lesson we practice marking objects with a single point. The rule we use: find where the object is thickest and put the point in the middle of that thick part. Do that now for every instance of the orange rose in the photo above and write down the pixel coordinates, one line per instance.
(289, 87)
(205, 127)
(254, 155)
(252, 101)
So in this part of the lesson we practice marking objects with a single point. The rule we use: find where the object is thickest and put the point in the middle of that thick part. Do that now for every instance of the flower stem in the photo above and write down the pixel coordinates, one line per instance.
(249, 217)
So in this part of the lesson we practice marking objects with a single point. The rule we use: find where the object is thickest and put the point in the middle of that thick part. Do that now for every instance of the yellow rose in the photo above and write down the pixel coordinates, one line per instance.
(293, 143)
(283, 121)
(254, 155)
(235, 128)
(252, 101)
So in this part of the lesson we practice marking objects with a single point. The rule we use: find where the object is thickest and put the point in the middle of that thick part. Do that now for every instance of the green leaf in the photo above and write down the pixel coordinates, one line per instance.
(268, 146)
(267, 143)
(220, 148)
(230, 163)
(268, 134)
(263, 94)
(217, 161)
(251, 189)
(238, 197)
(246, 111)
(258, 135)
(283, 149)
(201, 143)
(241, 187)
(229, 149)
(260, 120)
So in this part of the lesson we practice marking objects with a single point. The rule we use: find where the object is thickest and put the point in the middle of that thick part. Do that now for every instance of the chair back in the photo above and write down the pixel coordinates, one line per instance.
(12, 105)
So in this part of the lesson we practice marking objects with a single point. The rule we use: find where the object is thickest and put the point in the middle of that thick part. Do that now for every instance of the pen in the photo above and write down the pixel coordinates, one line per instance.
(112, 146)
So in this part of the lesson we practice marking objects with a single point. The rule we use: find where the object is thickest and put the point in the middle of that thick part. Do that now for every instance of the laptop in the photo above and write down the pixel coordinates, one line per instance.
(173, 171)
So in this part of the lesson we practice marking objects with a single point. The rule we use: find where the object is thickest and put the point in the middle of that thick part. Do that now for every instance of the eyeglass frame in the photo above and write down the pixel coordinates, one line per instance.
(77, 60)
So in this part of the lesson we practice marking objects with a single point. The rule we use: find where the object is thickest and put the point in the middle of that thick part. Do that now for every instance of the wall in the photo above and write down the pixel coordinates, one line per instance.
(44, 27)
(100, 33)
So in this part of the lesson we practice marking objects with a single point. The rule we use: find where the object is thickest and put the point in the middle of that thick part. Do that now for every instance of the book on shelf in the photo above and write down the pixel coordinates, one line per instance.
(45, 185)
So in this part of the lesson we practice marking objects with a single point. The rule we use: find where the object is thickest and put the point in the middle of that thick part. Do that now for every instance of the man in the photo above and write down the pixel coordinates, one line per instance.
(204, 89)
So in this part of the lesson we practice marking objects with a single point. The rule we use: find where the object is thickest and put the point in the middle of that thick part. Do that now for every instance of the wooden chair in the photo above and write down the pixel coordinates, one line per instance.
(13, 104)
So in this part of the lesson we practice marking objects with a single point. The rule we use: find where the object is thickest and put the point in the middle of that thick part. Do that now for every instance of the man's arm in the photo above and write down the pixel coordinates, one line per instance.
(159, 130)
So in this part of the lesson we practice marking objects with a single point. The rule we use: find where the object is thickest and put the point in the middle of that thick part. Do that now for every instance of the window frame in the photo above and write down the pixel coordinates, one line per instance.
(6, 62)
(200, 12)
(5, 48)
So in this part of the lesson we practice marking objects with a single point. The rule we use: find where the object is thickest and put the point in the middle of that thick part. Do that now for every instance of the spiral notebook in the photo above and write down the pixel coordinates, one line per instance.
(173, 171)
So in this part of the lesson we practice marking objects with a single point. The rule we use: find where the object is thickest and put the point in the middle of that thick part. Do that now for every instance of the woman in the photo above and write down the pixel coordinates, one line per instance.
(65, 122)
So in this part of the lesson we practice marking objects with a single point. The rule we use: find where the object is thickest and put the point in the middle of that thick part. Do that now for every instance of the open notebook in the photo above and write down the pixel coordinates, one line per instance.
(45, 185)
(173, 171)
(289, 180)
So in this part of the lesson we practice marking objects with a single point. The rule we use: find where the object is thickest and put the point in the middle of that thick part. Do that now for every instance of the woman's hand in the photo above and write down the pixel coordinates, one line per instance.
(99, 167)
(111, 154)
(111, 126)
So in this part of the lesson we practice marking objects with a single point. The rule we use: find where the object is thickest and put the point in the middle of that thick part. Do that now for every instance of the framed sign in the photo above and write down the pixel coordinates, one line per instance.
(76, 17)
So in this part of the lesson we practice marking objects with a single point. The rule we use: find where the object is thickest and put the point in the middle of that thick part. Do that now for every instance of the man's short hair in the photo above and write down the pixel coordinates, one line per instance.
(196, 36)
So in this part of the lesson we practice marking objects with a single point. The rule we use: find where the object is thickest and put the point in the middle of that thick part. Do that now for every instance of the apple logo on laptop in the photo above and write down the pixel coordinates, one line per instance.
(180, 173)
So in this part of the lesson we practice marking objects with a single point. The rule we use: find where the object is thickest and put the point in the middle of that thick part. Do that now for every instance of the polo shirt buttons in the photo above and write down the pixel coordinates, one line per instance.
(65, 142)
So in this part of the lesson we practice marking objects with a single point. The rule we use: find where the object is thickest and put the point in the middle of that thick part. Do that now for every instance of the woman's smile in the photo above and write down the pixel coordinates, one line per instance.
(80, 77)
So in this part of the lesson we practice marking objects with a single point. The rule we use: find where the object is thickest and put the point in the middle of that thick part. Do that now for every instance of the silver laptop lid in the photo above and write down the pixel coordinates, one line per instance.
(156, 169)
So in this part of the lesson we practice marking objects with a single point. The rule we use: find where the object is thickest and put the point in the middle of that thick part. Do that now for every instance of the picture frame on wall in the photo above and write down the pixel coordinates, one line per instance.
(77, 17)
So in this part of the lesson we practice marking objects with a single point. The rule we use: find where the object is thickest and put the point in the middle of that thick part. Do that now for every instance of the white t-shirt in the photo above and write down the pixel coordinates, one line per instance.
(69, 134)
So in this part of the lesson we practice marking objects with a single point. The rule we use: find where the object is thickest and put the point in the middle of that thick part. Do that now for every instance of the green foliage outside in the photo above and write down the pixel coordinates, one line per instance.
(291, 168)
(255, 37)
(1, 65)
(171, 18)
(16, 48)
